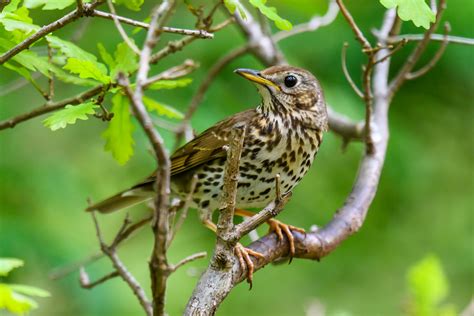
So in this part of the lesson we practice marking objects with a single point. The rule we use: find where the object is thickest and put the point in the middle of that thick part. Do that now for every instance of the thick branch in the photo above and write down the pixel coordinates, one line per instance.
(347, 220)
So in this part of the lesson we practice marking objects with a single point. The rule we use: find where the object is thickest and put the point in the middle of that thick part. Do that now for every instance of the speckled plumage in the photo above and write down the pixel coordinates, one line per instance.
(282, 136)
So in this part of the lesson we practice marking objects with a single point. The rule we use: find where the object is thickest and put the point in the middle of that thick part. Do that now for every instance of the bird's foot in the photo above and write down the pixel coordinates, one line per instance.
(243, 254)
(281, 228)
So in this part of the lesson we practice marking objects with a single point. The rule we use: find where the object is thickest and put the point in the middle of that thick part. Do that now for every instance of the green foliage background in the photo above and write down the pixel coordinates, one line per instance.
(424, 204)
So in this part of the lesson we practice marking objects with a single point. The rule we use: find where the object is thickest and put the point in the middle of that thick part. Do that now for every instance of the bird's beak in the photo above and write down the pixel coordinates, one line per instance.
(255, 76)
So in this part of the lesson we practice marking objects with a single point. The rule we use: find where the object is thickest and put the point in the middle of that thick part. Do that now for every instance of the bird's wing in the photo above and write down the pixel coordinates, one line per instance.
(207, 146)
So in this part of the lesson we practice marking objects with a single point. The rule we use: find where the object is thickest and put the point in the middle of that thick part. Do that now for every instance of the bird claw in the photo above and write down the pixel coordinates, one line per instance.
(279, 228)
(243, 254)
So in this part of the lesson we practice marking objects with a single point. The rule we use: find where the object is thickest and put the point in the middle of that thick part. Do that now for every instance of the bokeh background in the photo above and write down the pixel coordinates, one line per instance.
(424, 204)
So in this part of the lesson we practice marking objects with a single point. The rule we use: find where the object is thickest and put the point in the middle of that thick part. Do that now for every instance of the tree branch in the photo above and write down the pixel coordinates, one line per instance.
(434, 37)
(347, 220)
(417, 52)
(437, 56)
(122, 271)
(50, 107)
(120, 29)
(166, 29)
(313, 24)
(159, 268)
(45, 30)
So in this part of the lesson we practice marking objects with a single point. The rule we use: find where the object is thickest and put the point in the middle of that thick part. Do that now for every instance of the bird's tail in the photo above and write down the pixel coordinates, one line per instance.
(122, 200)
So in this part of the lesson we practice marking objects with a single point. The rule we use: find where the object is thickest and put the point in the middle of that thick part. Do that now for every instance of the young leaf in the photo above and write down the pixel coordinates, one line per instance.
(134, 5)
(125, 60)
(48, 4)
(162, 109)
(69, 49)
(106, 57)
(412, 10)
(170, 84)
(88, 69)
(118, 135)
(12, 6)
(8, 264)
(69, 115)
(29, 290)
(233, 5)
(271, 13)
(14, 302)
(428, 285)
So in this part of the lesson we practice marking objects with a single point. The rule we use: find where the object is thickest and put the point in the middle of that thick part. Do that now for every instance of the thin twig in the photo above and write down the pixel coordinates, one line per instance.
(184, 69)
(313, 24)
(395, 49)
(51, 76)
(346, 71)
(166, 29)
(61, 272)
(416, 54)
(433, 61)
(120, 29)
(188, 259)
(122, 270)
(434, 37)
(270, 211)
(355, 28)
(45, 30)
(85, 282)
(50, 107)
(158, 265)
(225, 222)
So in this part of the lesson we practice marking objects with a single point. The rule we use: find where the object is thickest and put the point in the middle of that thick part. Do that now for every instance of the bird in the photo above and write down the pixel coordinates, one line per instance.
(282, 136)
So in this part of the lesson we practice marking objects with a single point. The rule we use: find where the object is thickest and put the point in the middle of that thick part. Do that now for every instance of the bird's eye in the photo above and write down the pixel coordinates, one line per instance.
(290, 81)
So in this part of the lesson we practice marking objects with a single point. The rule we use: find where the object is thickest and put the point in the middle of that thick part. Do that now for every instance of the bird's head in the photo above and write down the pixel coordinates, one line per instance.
(286, 89)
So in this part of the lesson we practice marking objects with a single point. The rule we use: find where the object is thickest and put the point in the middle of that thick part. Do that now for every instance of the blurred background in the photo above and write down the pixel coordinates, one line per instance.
(424, 205)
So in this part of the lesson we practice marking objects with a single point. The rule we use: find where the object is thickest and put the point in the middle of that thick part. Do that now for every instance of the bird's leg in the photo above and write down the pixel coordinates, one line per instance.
(243, 254)
(278, 227)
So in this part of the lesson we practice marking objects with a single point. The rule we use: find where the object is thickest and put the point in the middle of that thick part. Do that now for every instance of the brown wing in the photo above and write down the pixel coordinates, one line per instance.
(207, 146)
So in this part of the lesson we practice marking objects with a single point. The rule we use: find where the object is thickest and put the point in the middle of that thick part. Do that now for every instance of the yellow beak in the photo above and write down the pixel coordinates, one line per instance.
(255, 76)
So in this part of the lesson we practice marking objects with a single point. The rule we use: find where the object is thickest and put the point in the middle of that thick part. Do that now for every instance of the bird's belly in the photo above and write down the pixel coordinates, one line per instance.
(256, 179)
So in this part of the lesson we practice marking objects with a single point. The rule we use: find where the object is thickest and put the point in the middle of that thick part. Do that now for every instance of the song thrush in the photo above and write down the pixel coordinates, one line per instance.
(282, 136)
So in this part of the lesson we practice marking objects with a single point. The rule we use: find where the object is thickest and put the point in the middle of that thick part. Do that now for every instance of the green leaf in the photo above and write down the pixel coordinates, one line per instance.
(12, 6)
(29, 290)
(233, 5)
(118, 135)
(428, 285)
(20, 70)
(417, 11)
(271, 13)
(14, 302)
(69, 115)
(70, 49)
(106, 57)
(125, 60)
(170, 84)
(88, 69)
(162, 109)
(134, 5)
(48, 4)
(8, 264)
